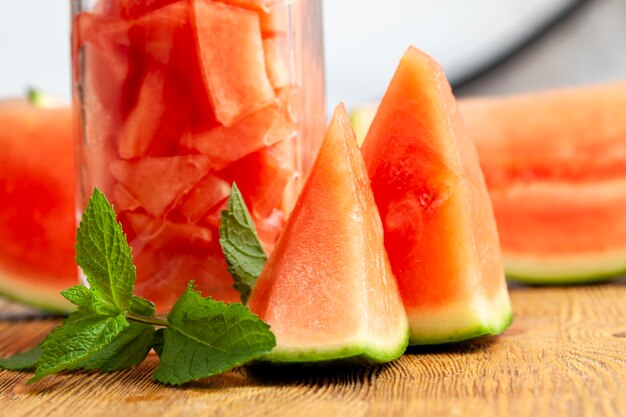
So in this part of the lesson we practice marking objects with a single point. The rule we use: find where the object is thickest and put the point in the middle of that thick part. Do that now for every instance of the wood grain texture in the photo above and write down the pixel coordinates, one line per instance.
(565, 355)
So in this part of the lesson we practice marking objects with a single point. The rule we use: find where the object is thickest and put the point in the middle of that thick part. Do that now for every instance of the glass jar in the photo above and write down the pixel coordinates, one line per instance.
(178, 99)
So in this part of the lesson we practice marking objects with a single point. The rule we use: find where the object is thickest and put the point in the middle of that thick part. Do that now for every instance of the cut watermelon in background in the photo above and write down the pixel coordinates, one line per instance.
(232, 61)
(440, 231)
(555, 164)
(37, 216)
(327, 290)
(157, 183)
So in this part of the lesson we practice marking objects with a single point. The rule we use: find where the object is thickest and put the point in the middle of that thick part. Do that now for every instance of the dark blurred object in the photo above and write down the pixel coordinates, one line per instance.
(585, 45)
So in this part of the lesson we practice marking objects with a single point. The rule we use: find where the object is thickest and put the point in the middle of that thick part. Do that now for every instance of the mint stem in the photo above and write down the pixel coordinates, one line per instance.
(146, 320)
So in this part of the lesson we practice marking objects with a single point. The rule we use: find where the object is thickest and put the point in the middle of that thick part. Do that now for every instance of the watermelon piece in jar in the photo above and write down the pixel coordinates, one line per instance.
(263, 178)
(277, 60)
(275, 22)
(131, 9)
(207, 193)
(224, 145)
(160, 233)
(163, 275)
(158, 183)
(232, 60)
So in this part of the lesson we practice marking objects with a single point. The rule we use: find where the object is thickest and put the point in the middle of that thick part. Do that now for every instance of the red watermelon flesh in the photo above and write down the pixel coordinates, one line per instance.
(255, 131)
(275, 22)
(157, 183)
(206, 194)
(143, 122)
(440, 231)
(162, 273)
(263, 177)
(124, 200)
(37, 220)
(327, 290)
(161, 233)
(523, 139)
(232, 61)
(257, 5)
(277, 60)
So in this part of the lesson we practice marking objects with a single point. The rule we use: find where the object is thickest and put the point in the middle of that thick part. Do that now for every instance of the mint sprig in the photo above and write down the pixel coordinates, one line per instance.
(104, 255)
(210, 337)
(241, 246)
(113, 329)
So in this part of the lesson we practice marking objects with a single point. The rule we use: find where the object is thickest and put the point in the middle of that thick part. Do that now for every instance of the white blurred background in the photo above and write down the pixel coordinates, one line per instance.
(365, 38)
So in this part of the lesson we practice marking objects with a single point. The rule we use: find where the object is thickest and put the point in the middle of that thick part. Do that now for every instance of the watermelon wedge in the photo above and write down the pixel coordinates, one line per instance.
(327, 290)
(440, 232)
(37, 224)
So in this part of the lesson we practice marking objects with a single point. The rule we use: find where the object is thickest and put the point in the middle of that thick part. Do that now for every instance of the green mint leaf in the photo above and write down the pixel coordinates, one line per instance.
(207, 337)
(142, 306)
(89, 300)
(126, 350)
(158, 341)
(241, 246)
(103, 253)
(22, 361)
(78, 295)
(81, 335)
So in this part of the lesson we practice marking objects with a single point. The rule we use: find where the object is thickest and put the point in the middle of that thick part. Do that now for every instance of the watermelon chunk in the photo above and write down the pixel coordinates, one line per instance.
(232, 61)
(143, 122)
(123, 199)
(160, 233)
(332, 254)
(208, 192)
(440, 231)
(158, 183)
(264, 178)
(258, 5)
(163, 274)
(277, 60)
(260, 129)
(275, 22)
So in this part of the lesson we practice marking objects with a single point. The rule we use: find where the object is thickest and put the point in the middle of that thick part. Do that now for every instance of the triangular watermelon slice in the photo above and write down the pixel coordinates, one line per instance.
(440, 231)
(157, 183)
(327, 290)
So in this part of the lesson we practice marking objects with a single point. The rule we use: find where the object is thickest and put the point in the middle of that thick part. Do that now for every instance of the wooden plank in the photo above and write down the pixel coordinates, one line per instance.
(565, 355)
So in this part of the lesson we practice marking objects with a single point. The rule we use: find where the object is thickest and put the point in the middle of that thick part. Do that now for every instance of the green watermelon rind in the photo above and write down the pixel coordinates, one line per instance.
(594, 269)
(479, 330)
(475, 317)
(357, 354)
(33, 297)
(530, 278)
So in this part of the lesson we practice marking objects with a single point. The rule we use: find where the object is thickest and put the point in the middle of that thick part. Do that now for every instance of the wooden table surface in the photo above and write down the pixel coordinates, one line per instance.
(565, 355)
